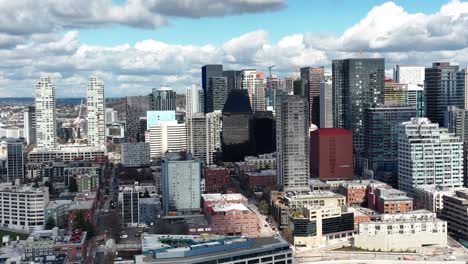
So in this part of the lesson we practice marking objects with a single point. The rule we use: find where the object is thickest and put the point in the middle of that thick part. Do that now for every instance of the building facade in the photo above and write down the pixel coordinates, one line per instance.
(311, 78)
(455, 211)
(29, 118)
(96, 109)
(135, 154)
(326, 104)
(135, 107)
(129, 203)
(209, 71)
(409, 74)
(217, 93)
(15, 163)
(167, 136)
(193, 103)
(46, 126)
(204, 136)
(252, 81)
(163, 99)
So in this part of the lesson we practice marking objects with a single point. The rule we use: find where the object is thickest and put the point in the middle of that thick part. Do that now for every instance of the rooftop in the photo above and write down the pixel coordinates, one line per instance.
(216, 197)
(229, 207)
(262, 173)
(57, 203)
(8, 187)
(81, 205)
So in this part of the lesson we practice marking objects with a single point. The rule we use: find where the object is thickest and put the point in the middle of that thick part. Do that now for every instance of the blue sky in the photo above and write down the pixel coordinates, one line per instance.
(331, 16)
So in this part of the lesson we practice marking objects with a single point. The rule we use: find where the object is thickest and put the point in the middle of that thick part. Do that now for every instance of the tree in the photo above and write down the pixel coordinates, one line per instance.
(83, 224)
(50, 223)
(72, 185)
(296, 214)
(264, 207)
(146, 194)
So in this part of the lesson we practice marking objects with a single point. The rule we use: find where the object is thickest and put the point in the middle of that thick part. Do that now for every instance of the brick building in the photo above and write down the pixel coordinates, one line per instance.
(389, 201)
(257, 181)
(85, 207)
(215, 179)
(356, 191)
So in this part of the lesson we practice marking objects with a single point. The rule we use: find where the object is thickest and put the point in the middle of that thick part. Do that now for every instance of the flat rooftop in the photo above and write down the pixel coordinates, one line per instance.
(81, 205)
(217, 197)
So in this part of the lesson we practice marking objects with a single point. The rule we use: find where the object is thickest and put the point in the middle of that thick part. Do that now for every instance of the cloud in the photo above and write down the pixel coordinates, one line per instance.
(386, 31)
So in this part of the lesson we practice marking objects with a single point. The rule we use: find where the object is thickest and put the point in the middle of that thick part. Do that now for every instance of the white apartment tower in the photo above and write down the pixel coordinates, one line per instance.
(166, 136)
(252, 81)
(95, 103)
(204, 135)
(192, 100)
(326, 104)
(409, 74)
(45, 113)
(428, 154)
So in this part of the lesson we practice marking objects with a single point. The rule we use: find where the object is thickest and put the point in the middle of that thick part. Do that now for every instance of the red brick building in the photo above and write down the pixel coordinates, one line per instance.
(232, 219)
(389, 201)
(73, 244)
(215, 179)
(257, 181)
(356, 192)
(331, 154)
(86, 207)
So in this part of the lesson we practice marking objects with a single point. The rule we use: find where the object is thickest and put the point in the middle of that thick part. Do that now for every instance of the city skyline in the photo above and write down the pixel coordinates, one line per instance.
(133, 47)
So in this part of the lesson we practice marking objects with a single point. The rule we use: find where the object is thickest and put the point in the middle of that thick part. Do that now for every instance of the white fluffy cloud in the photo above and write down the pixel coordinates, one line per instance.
(387, 31)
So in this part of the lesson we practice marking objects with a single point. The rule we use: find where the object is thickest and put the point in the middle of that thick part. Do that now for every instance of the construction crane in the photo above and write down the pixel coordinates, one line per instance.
(269, 69)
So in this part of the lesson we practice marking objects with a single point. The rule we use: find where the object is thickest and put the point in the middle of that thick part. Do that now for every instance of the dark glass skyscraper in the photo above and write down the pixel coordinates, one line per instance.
(163, 99)
(210, 70)
(216, 94)
(442, 90)
(263, 133)
(15, 160)
(311, 78)
(234, 79)
(357, 85)
(381, 139)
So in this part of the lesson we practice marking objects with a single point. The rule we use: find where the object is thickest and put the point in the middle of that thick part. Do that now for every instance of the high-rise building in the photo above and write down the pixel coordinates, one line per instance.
(154, 117)
(252, 81)
(96, 109)
(135, 154)
(274, 83)
(409, 74)
(402, 94)
(292, 143)
(204, 136)
(181, 179)
(235, 136)
(209, 71)
(193, 103)
(428, 154)
(326, 104)
(163, 99)
(129, 203)
(456, 121)
(216, 94)
(234, 79)
(311, 78)
(29, 119)
(135, 107)
(46, 126)
(331, 154)
(288, 86)
(111, 116)
(442, 90)
(167, 136)
(15, 160)
(357, 85)
(455, 211)
(262, 133)
(462, 84)
(381, 139)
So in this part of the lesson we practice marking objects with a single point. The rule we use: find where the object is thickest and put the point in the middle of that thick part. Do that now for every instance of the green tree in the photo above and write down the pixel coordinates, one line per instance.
(50, 223)
(264, 207)
(83, 224)
(296, 214)
(72, 185)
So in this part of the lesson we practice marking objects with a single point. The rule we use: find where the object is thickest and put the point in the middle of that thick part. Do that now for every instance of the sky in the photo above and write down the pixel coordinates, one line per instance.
(135, 45)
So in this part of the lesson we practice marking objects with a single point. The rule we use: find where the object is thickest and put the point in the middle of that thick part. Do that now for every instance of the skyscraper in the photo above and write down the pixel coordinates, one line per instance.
(95, 103)
(311, 78)
(234, 79)
(428, 154)
(135, 107)
(208, 71)
(462, 84)
(216, 94)
(292, 143)
(193, 103)
(357, 85)
(29, 119)
(15, 160)
(326, 104)
(409, 74)
(252, 81)
(381, 139)
(167, 136)
(263, 133)
(46, 126)
(204, 136)
(456, 121)
(163, 99)
(403, 94)
(442, 90)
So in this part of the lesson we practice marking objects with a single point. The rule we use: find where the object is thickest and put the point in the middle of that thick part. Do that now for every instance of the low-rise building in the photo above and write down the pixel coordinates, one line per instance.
(402, 232)
(150, 210)
(262, 162)
(389, 201)
(356, 191)
(232, 219)
(58, 210)
(258, 181)
(68, 153)
(455, 211)
(84, 207)
(87, 182)
(430, 197)
(163, 249)
(215, 179)
(218, 198)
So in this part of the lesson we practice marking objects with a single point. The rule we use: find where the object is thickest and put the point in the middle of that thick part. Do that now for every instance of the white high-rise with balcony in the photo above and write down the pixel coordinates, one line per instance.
(428, 154)
(252, 81)
(96, 113)
(46, 126)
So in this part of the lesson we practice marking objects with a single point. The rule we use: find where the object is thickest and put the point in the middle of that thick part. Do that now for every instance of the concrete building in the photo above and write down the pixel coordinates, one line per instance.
(381, 140)
(326, 104)
(135, 107)
(23, 206)
(129, 203)
(252, 81)
(292, 143)
(311, 77)
(431, 197)
(150, 210)
(155, 117)
(213, 249)
(15, 163)
(442, 90)
(409, 74)
(400, 232)
(403, 94)
(180, 184)
(57, 210)
(163, 99)
(262, 162)
(167, 136)
(135, 154)
(68, 153)
(193, 102)
(46, 126)
(29, 119)
(96, 113)
(315, 225)
(428, 154)
(112, 116)
(455, 211)
(87, 182)
(357, 85)
(284, 204)
(204, 136)
(331, 154)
